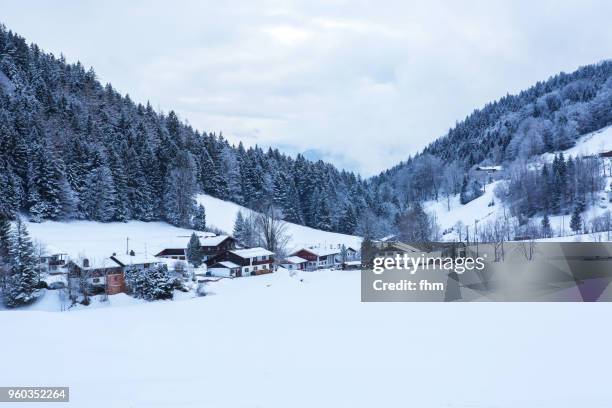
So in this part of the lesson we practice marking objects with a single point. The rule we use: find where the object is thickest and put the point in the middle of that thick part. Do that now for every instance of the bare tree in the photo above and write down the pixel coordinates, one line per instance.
(272, 230)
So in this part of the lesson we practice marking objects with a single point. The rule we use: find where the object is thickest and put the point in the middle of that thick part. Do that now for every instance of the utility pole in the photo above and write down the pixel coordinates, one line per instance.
(127, 246)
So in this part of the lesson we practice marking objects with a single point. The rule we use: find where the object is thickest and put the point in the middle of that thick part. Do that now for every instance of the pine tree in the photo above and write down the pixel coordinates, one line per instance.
(463, 195)
(5, 236)
(99, 195)
(199, 218)
(238, 231)
(23, 276)
(348, 221)
(46, 181)
(546, 229)
(181, 187)
(150, 284)
(194, 251)
(576, 220)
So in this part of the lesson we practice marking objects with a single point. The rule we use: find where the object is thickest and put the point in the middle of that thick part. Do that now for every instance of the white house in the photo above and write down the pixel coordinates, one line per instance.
(225, 269)
(252, 261)
(319, 257)
(294, 263)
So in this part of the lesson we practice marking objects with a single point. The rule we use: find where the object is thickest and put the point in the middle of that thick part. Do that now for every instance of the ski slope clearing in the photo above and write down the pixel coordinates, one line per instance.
(478, 210)
(278, 341)
(222, 214)
(97, 240)
(596, 142)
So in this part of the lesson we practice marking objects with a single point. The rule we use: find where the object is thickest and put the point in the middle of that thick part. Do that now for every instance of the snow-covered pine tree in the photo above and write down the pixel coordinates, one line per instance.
(194, 251)
(99, 195)
(120, 181)
(238, 231)
(46, 180)
(199, 218)
(576, 220)
(5, 235)
(463, 194)
(181, 187)
(23, 277)
(160, 284)
(546, 229)
(154, 283)
(348, 221)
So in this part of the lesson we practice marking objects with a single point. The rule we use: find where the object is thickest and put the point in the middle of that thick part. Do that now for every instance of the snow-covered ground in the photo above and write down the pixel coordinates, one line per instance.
(98, 241)
(277, 341)
(222, 214)
(596, 142)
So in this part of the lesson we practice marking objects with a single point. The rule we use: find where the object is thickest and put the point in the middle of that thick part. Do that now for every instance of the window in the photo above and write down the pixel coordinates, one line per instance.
(96, 280)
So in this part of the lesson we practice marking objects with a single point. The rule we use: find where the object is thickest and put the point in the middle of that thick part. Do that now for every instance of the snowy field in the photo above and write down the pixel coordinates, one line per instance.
(277, 341)
(97, 240)
(592, 143)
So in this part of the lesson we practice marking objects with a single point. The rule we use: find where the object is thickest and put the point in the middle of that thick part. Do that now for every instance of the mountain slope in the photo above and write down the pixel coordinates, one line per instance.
(73, 148)
(97, 240)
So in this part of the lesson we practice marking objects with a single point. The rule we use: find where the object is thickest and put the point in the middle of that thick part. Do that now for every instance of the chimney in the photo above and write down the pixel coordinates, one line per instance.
(85, 263)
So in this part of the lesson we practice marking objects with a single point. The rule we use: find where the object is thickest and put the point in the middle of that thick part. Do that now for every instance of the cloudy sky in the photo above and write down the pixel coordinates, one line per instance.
(361, 83)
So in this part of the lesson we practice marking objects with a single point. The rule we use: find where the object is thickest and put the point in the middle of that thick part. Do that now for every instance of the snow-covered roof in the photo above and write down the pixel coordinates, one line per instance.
(225, 264)
(294, 260)
(213, 241)
(320, 251)
(251, 252)
(489, 168)
(138, 259)
(352, 263)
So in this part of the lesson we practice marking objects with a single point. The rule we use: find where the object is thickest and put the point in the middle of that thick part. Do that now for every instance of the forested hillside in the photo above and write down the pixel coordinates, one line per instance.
(73, 148)
(547, 117)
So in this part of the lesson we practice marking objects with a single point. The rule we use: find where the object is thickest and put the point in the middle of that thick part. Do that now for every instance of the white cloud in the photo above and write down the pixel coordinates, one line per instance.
(365, 81)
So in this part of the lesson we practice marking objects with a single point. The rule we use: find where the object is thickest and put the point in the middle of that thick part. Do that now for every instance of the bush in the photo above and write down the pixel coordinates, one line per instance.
(150, 284)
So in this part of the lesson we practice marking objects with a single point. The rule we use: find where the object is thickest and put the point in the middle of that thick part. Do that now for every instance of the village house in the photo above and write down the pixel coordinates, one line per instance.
(319, 257)
(210, 246)
(172, 253)
(104, 276)
(225, 269)
(252, 261)
(54, 263)
(213, 246)
(133, 260)
(294, 263)
(351, 254)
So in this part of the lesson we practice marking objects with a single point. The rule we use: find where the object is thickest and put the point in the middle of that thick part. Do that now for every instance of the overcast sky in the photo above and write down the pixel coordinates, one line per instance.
(364, 83)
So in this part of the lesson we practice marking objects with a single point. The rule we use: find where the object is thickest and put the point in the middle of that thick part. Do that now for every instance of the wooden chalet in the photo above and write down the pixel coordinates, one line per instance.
(252, 261)
(294, 263)
(214, 246)
(172, 253)
(96, 277)
(607, 154)
(211, 247)
(319, 257)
